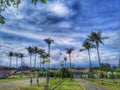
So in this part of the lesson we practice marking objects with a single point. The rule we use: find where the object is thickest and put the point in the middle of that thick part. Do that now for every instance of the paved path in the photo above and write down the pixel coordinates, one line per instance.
(90, 85)
(12, 85)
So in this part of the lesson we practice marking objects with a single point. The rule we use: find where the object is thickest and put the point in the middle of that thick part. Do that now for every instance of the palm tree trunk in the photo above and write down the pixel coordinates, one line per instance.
(90, 62)
(99, 57)
(40, 62)
(30, 60)
(99, 62)
(70, 60)
(49, 53)
(10, 61)
(21, 63)
(35, 61)
(16, 62)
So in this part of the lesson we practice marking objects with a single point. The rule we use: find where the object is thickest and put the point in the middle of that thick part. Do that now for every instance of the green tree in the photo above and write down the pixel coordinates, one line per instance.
(65, 59)
(30, 51)
(96, 37)
(87, 46)
(35, 51)
(69, 51)
(10, 54)
(44, 56)
(40, 52)
(49, 41)
(21, 55)
(16, 55)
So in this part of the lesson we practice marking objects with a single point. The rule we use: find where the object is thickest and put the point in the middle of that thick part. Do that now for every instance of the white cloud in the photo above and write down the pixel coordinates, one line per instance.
(58, 8)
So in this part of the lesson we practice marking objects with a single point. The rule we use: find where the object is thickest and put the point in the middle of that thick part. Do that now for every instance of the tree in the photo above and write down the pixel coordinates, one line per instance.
(4, 4)
(40, 52)
(69, 51)
(21, 55)
(87, 46)
(49, 41)
(30, 51)
(35, 51)
(96, 37)
(16, 55)
(65, 59)
(44, 56)
(10, 54)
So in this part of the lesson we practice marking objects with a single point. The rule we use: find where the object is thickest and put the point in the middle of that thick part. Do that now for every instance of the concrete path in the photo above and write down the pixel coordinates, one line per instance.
(90, 85)
(12, 85)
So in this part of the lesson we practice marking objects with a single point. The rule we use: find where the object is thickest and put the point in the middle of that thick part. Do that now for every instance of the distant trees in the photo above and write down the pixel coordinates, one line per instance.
(10, 54)
(17, 55)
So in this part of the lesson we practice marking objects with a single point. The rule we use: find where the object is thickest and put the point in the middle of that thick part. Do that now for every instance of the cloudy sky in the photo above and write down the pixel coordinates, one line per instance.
(67, 22)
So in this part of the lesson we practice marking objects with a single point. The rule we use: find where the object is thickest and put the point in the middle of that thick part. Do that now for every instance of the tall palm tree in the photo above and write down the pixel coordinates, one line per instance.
(40, 52)
(87, 46)
(96, 37)
(35, 51)
(65, 59)
(30, 51)
(16, 55)
(10, 54)
(49, 41)
(69, 51)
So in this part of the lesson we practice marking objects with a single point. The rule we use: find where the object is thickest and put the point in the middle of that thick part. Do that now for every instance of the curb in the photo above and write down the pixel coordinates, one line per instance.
(57, 85)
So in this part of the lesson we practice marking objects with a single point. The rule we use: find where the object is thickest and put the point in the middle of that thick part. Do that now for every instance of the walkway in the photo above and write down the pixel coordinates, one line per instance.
(90, 85)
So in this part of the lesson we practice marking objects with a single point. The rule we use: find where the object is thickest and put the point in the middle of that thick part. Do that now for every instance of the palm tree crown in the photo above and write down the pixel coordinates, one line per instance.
(97, 37)
(10, 54)
(87, 45)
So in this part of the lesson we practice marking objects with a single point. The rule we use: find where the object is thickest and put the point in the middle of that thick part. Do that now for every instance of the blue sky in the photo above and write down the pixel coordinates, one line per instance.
(68, 22)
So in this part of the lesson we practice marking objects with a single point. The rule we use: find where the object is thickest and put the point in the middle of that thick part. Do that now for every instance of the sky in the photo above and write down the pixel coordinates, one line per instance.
(68, 23)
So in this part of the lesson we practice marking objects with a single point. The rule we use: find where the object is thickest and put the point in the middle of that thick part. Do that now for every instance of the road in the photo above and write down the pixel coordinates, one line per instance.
(90, 85)
(14, 84)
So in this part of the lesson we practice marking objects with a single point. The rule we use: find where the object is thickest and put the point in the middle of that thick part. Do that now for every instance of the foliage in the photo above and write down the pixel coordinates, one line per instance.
(65, 72)
(4, 4)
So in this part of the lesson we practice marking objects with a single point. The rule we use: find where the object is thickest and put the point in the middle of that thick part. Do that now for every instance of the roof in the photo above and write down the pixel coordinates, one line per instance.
(1, 67)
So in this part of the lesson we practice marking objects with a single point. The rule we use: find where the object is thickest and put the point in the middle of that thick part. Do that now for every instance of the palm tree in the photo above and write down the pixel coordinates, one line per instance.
(44, 56)
(87, 46)
(16, 55)
(65, 59)
(35, 51)
(69, 51)
(21, 55)
(40, 52)
(10, 54)
(97, 38)
(49, 41)
(30, 51)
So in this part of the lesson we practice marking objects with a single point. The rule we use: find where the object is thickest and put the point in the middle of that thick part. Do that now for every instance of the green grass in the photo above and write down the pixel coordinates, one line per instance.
(70, 85)
(12, 79)
(52, 83)
(108, 83)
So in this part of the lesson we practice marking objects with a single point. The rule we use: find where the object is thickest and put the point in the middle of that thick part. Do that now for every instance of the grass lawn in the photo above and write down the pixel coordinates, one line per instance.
(13, 79)
(108, 83)
(70, 85)
(52, 83)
